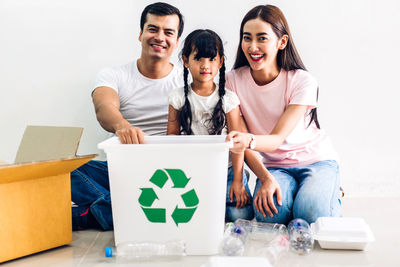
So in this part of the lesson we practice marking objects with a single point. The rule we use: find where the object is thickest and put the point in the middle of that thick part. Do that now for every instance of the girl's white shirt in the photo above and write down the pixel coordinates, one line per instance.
(202, 107)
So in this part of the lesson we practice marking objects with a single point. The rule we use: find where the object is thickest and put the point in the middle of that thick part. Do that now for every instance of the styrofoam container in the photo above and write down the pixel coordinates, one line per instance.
(132, 170)
(342, 233)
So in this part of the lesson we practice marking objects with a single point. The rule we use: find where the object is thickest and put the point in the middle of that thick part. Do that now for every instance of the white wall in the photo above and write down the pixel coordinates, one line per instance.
(50, 52)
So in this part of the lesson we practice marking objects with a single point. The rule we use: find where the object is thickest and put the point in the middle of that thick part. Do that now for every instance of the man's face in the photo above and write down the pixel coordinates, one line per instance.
(159, 37)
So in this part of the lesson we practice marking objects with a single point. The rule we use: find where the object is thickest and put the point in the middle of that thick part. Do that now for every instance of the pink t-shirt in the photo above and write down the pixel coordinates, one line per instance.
(262, 107)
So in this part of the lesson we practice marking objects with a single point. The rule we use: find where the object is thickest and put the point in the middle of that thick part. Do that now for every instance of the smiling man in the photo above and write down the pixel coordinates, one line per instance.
(130, 101)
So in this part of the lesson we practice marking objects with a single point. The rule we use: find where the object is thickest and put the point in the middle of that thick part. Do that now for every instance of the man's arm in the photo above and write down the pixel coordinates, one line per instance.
(106, 105)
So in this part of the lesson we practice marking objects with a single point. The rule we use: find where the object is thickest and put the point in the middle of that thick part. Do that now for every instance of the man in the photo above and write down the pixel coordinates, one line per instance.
(130, 101)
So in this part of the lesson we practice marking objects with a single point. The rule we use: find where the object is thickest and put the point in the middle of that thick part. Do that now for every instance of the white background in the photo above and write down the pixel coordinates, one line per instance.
(50, 52)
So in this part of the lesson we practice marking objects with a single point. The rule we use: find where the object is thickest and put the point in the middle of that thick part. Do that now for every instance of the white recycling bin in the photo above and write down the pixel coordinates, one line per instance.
(171, 188)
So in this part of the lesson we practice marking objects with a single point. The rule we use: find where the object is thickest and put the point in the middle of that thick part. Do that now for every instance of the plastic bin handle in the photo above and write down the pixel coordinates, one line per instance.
(110, 141)
(230, 143)
(115, 141)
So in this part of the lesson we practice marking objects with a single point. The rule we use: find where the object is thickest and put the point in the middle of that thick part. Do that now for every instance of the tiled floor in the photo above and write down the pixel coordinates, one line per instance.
(382, 214)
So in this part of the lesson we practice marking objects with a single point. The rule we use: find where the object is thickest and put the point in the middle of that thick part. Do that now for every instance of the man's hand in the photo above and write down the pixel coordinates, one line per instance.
(130, 135)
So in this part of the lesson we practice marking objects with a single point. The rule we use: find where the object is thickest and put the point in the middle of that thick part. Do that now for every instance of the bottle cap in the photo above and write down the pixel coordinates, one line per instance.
(109, 252)
(238, 230)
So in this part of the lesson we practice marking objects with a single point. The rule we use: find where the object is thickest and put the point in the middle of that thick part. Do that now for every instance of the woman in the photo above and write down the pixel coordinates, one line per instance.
(278, 102)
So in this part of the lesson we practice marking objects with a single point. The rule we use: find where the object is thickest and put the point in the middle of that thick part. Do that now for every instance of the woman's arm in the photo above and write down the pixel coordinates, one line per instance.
(173, 127)
(264, 200)
(237, 189)
(268, 143)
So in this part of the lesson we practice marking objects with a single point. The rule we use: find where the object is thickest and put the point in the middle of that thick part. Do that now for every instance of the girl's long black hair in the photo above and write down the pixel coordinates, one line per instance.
(206, 44)
(288, 58)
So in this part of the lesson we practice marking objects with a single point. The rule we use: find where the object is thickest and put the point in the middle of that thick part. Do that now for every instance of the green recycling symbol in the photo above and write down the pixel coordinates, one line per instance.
(179, 180)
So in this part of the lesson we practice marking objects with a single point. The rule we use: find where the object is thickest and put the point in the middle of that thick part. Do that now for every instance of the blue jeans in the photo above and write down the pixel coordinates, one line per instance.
(90, 190)
(308, 192)
(232, 213)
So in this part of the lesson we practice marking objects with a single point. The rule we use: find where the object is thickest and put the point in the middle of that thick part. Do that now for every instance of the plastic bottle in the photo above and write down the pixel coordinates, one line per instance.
(276, 248)
(266, 231)
(234, 240)
(267, 240)
(132, 250)
(300, 236)
(262, 231)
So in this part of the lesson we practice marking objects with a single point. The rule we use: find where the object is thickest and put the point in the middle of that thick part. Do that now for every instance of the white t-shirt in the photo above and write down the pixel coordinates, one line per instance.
(143, 101)
(202, 107)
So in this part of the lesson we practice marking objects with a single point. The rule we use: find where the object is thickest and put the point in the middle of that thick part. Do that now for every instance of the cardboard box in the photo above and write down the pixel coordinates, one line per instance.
(35, 191)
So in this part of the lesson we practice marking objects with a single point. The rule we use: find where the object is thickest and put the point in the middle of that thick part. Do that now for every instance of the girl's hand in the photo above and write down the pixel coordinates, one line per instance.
(264, 200)
(240, 140)
(237, 189)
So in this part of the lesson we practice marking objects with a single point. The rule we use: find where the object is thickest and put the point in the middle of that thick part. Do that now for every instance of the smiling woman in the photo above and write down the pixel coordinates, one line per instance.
(278, 100)
(260, 46)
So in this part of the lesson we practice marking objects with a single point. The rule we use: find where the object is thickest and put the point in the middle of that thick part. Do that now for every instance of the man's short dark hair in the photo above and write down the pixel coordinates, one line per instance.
(161, 9)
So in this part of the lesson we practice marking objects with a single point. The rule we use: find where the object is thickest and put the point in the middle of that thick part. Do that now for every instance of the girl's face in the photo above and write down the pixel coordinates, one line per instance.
(260, 44)
(203, 70)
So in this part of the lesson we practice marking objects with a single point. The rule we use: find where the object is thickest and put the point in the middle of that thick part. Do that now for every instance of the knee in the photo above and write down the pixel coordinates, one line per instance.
(283, 216)
(310, 209)
(232, 213)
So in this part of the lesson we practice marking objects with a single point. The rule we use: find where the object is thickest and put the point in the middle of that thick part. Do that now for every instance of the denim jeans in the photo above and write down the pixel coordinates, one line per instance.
(308, 192)
(90, 190)
(232, 213)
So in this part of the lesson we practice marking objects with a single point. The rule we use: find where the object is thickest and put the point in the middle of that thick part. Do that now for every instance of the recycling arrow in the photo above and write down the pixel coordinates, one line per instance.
(159, 178)
(178, 178)
(155, 215)
(182, 215)
(190, 198)
(147, 197)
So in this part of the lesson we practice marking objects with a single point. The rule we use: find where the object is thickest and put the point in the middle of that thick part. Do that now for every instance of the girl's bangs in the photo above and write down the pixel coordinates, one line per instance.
(205, 46)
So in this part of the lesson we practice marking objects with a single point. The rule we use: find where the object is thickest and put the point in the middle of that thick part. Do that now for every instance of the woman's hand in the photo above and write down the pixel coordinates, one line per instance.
(237, 189)
(240, 140)
(264, 200)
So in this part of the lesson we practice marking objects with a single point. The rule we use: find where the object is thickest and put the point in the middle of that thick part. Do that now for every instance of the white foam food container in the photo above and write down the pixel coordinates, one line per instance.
(342, 233)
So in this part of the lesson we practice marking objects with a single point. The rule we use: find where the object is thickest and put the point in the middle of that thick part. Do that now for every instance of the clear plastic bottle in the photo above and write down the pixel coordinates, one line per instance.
(262, 231)
(276, 248)
(234, 240)
(267, 240)
(300, 236)
(145, 250)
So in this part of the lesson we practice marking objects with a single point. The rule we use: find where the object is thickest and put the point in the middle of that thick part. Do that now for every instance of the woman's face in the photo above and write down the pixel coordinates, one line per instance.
(260, 44)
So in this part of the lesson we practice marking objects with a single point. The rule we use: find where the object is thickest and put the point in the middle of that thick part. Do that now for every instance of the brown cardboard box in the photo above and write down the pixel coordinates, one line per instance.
(35, 191)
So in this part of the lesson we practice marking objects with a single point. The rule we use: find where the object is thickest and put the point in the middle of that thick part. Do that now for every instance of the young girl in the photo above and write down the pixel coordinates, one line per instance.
(278, 102)
(206, 108)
